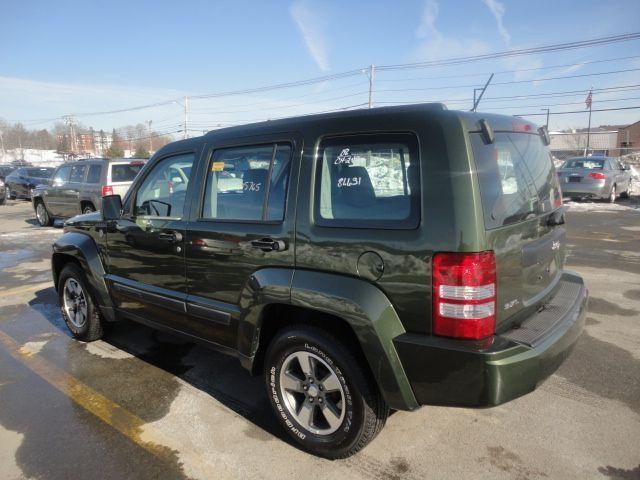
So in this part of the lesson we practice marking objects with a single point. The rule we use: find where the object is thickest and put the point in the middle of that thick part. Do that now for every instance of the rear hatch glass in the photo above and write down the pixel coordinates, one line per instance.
(519, 191)
(125, 172)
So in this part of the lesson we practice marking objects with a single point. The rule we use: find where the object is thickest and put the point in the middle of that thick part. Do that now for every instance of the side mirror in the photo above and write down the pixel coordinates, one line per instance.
(111, 207)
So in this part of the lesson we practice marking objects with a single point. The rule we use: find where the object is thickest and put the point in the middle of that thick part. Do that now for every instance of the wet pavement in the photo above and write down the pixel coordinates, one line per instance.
(142, 404)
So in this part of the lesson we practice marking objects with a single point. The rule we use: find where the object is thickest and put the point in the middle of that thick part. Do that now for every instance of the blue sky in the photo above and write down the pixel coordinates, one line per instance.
(64, 57)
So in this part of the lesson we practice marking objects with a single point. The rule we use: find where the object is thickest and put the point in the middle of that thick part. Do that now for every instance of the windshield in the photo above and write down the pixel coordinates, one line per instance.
(39, 172)
(584, 163)
(125, 172)
(516, 176)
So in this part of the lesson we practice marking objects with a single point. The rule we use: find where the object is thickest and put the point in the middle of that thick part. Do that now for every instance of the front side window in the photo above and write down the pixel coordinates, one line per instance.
(368, 181)
(247, 183)
(160, 194)
(77, 173)
(62, 175)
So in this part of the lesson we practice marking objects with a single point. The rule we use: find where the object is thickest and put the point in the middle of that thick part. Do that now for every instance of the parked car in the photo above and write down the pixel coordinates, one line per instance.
(23, 180)
(3, 192)
(595, 177)
(78, 187)
(371, 260)
(6, 170)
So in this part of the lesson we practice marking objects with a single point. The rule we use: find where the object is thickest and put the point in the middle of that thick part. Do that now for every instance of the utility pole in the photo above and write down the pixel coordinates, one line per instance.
(372, 71)
(590, 99)
(476, 102)
(149, 129)
(186, 114)
(546, 110)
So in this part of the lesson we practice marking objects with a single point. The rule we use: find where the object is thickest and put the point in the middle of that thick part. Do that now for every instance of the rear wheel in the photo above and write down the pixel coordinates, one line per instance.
(79, 310)
(88, 208)
(321, 393)
(627, 193)
(612, 195)
(12, 195)
(42, 215)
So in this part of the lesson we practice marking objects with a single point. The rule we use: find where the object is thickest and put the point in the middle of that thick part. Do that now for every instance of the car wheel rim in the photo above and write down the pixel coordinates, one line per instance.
(40, 213)
(613, 195)
(88, 210)
(312, 393)
(75, 303)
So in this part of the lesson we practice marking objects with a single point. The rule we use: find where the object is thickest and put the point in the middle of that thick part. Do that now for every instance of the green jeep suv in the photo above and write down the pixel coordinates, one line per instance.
(360, 261)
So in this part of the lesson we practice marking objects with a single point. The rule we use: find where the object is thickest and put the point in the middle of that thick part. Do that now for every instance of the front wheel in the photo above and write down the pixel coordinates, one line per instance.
(42, 215)
(79, 310)
(612, 195)
(321, 393)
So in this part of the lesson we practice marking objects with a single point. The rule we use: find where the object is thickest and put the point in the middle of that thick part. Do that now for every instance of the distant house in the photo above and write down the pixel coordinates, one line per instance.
(573, 144)
(629, 138)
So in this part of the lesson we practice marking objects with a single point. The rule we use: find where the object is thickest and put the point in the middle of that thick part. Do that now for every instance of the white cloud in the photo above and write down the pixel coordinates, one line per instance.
(435, 45)
(427, 27)
(306, 20)
(498, 10)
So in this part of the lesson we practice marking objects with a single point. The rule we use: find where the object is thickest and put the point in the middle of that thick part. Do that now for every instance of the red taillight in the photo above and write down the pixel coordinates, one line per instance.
(138, 162)
(107, 190)
(464, 295)
(597, 175)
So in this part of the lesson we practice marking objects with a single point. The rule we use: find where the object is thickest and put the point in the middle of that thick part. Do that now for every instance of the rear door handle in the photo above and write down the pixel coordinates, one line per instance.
(173, 237)
(269, 245)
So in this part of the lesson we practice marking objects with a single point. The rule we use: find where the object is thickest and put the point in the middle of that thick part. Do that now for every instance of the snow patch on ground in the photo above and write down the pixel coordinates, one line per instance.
(600, 206)
(32, 348)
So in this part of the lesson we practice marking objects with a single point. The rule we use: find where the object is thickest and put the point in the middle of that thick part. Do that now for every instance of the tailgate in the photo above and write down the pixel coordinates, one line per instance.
(521, 202)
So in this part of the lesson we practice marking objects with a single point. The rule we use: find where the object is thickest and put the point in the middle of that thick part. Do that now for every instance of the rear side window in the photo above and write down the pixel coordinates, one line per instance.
(248, 183)
(368, 181)
(94, 173)
(124, 172)
(77, 173)
(516, 176)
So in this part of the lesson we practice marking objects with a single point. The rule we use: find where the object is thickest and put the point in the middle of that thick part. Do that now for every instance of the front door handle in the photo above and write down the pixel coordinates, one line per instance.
(172, 237)
(269, 245)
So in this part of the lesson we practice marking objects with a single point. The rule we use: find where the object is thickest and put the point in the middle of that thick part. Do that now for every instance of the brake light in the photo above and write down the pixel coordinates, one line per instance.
(139, 162)
(464, 294)
(597, 175)
(107, 190)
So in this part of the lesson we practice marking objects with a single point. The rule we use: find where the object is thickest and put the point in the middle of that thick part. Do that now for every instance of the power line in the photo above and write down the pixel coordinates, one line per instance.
(503, 72)
(517, 52)
(579, 111)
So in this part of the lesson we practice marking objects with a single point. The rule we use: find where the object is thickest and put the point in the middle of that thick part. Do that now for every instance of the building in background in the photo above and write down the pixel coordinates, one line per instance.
(574, 144)
(629, 139)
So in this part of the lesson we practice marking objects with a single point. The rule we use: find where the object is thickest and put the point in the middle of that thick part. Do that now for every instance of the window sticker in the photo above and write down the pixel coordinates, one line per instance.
(217, 166)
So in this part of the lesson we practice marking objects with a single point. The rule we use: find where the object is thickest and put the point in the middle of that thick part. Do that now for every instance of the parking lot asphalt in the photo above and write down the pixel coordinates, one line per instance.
(141, 404)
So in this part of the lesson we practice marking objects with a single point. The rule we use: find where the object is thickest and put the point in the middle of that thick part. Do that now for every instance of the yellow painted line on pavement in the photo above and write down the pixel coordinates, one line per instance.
(106, 410)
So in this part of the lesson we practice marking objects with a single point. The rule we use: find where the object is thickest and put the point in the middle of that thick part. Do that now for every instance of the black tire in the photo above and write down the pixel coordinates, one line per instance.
(365, 411)
(12, 195)
(627, 193)
(42, 214)
(88, 208)
(2, 200)
(612, 195)
(92, 327)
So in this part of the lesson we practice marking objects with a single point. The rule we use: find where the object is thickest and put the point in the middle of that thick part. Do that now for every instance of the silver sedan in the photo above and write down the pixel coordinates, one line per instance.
(595, 177)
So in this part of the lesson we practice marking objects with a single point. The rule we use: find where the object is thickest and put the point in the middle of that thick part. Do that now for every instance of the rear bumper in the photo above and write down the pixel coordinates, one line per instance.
(493, 371)
(597, 190)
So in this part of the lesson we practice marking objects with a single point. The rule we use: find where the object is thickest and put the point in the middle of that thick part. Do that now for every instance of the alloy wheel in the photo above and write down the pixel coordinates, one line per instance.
(41, 214)
(75, 302)
(312, 393)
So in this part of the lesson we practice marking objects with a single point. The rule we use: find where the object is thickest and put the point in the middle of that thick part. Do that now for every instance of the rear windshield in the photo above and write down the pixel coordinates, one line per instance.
(124, 172)
(584, 163)
(517, 178)
(39, 172)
